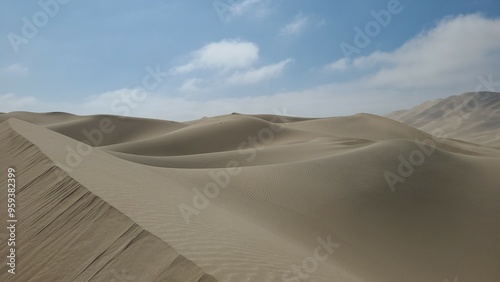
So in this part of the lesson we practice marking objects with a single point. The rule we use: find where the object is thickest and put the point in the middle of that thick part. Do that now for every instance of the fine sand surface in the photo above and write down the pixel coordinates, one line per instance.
(302, 200)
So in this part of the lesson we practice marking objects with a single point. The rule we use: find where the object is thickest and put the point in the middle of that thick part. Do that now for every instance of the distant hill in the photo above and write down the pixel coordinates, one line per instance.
(472, 117)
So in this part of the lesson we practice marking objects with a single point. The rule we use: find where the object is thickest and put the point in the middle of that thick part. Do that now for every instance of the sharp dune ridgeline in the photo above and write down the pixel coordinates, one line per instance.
(256, 197)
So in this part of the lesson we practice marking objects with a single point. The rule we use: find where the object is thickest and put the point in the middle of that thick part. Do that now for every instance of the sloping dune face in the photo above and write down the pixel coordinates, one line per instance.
(250, 198)
(66, 233)
(472, 117)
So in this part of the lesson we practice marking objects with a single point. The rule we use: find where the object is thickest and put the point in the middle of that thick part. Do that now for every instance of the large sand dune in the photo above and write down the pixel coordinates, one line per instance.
(249, 198)
(472, 117)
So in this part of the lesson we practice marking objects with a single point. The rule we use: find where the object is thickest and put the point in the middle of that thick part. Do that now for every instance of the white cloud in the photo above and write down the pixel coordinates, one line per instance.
(296, 26)
(222, 55)
(15, 69)
(230, 9)
(244, 6)
(327, 100)
(233, 61)
(447, 54)
(11, 101)
(445, 60)
(450, 53)
(258, 75)
(190, 85)
(339, 65)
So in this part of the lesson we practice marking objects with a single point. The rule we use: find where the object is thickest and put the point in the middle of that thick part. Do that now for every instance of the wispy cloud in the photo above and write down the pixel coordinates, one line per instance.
(222, 55)
(339, 65)
(253, 8)
(296, 26)
(234, 62)
(444, 60)
(232, 9)
(15, 69)
(258, 75)
(327, 100)
(12, 101)
(446, 54)
(245, 6)
(190, 85)
(321, 23)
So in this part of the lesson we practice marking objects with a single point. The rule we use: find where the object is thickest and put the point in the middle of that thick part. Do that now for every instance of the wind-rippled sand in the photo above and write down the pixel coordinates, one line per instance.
(132, 207)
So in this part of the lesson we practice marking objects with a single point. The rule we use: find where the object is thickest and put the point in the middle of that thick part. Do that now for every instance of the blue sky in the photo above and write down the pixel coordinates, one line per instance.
(297, 57)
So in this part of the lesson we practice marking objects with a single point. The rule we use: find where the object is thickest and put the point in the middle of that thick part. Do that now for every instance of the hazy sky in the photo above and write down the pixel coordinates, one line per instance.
(185, 59)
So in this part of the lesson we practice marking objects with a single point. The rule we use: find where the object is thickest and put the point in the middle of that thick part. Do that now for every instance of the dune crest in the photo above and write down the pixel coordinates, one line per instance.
(258, 198)
(66, 233)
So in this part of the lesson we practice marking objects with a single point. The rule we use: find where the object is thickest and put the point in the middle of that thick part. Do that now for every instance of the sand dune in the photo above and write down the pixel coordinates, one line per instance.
(472, 116)
(66, 233)
(156, 200)
(117, 129)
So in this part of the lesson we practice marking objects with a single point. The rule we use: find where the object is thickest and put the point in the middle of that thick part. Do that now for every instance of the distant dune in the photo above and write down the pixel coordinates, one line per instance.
(472, 116)
(254, 198)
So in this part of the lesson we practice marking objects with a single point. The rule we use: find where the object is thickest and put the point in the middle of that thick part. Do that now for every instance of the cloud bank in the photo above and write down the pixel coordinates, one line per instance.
(458, 54)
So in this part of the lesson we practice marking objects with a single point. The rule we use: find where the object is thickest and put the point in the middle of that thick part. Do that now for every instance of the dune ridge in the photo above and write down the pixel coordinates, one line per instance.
(302, 181)
(66, 233)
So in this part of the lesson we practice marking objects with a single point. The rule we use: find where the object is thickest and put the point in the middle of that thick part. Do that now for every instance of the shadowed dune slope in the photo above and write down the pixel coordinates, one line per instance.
(66, 233)
(296, 183)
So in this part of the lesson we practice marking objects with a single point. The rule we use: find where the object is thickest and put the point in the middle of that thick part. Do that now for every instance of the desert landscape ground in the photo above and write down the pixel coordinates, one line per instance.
(412, 197)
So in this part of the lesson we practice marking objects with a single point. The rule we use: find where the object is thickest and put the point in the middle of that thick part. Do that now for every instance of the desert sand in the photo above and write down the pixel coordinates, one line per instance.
(472, 117)
(248, 198)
